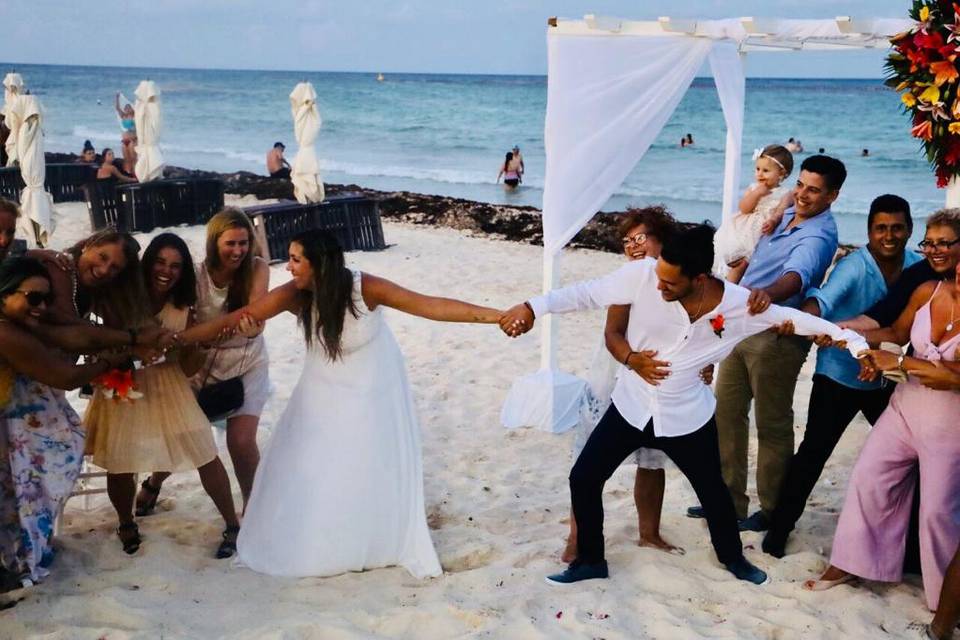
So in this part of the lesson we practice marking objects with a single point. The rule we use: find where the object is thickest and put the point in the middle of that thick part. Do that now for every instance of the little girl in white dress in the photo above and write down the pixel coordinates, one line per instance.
(763, 201)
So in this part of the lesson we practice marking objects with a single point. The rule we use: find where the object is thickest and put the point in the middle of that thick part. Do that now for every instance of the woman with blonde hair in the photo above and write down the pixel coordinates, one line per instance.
(232, 276)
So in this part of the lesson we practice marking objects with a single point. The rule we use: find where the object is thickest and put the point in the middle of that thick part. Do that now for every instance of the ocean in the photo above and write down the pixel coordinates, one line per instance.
(447, 134)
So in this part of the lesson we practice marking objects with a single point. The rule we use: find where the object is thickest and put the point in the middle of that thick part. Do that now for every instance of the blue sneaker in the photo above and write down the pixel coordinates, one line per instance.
(758, 521)
(744, 570)
(577, 572)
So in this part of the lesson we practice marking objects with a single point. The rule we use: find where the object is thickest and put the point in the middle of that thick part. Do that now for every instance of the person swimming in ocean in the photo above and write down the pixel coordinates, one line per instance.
(510, 171)
(128, 139)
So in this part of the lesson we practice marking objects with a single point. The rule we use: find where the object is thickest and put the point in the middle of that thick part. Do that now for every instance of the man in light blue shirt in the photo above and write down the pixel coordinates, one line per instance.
(856, 284)
(764, 368)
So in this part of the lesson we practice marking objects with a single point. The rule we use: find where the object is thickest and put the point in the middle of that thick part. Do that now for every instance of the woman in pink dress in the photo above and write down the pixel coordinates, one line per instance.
(919, 426)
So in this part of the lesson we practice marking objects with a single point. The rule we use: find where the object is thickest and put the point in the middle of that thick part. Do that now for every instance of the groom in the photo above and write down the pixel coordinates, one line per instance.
(691, 319)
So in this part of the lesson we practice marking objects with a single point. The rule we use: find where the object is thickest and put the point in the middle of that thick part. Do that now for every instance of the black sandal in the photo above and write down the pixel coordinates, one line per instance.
(131, 544)
(154, 492)
(229, 546)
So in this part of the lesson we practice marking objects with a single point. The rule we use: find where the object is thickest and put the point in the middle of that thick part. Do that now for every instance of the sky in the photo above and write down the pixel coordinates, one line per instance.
(429, 36)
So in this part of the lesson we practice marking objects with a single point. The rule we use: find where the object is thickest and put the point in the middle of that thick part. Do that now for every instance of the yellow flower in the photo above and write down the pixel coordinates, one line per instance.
(930, 95)
(924, 14)
(954, 127)
(909, 99)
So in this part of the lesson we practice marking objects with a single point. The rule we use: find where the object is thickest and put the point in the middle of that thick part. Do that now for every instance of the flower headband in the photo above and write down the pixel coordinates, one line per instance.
(758, 153)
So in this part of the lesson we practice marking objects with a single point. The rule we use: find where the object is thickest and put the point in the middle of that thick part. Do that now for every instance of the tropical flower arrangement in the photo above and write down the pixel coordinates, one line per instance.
(118, 384)
(924, 69)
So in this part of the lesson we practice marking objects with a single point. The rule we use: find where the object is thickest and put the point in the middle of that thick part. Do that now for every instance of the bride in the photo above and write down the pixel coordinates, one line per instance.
(340, 487)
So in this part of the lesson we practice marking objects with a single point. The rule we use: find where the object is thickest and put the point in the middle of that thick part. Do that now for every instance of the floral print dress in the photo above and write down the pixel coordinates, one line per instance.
(41, 452)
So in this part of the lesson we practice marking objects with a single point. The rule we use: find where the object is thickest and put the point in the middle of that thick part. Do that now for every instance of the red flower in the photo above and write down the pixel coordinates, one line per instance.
(118, 384)
(929, 40)
(717, 324)
(943, 176)
(952, 156)
(924, 130)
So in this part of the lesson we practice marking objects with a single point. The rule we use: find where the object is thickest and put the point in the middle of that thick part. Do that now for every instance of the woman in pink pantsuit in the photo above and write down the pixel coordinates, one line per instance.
(919, 426)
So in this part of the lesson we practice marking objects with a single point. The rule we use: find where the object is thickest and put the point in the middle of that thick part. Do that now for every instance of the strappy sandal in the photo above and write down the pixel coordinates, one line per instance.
(131, 543)
(229, 545)
(147, 507)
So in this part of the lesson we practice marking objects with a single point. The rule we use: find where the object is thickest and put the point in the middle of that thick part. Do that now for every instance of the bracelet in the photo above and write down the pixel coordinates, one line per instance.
(626, 360)
(530, 307)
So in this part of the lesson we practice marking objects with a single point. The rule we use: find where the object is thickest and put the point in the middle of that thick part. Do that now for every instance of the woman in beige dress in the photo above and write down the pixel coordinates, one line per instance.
(165, 430)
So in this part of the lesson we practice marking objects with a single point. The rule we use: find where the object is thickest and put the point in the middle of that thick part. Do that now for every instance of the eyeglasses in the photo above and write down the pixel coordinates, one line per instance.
(36, 298)
(937, 245)
(638, 238)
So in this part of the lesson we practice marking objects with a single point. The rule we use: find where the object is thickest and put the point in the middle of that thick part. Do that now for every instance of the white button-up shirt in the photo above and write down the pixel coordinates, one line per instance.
(681, 403)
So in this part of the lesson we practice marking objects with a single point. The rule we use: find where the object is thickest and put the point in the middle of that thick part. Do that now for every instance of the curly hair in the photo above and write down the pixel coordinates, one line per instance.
(945, 218)
(658, 221)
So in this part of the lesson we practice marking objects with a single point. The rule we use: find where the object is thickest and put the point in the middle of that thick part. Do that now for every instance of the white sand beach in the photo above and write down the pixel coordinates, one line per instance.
(497, 505)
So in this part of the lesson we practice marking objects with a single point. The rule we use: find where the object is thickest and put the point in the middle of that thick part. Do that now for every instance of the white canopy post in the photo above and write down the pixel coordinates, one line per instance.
(612, 85)
(12, 90)
(147, 118)
(36, 205)
(305, 173)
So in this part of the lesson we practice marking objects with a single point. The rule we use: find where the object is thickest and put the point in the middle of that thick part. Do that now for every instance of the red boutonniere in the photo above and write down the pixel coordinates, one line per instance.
(717, 324)
(118, 385)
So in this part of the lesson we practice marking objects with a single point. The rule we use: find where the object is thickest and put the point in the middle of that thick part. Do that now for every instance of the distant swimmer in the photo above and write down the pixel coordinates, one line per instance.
(686, 141)
(510, 172)
(518, 161)
(128, 138)
(277, 165)
(794, 146)
(865, 153)
(821, 150)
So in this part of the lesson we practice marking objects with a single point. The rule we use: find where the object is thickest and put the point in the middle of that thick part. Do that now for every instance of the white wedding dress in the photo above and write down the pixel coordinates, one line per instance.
(340, 486)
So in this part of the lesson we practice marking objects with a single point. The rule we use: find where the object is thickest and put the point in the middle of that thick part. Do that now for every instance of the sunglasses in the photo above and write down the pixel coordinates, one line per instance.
(36, 298)
(639, 238)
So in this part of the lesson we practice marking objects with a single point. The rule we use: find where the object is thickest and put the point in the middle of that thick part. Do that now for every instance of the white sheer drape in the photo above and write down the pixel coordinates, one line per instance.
(607, 100)
(727, 66)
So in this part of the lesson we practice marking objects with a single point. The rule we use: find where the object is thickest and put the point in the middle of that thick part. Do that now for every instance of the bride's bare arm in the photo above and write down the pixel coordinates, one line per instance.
(283, 298)
(377, 291)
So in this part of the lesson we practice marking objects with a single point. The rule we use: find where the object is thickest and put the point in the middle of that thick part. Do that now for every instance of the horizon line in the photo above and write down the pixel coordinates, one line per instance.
(9, 67)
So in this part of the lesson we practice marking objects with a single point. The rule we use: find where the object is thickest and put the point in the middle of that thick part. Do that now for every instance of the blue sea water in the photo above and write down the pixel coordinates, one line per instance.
(447, 134)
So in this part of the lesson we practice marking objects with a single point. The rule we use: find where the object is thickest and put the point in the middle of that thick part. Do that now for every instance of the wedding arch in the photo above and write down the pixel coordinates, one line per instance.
(612, 85)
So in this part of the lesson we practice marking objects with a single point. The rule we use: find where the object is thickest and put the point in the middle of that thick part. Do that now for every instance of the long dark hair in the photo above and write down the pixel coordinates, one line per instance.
(332, 293)
(123, 301)
(184, 293)
(506, 161)
(238, 292)
(15, 270)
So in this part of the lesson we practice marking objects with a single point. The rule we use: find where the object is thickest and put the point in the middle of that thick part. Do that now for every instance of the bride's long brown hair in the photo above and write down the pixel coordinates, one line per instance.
(331, 295)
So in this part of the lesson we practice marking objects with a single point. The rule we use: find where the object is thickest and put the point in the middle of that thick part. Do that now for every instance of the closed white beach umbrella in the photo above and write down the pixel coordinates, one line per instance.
(12, 90)
(147, 119)
(307, 184)
(36, 205)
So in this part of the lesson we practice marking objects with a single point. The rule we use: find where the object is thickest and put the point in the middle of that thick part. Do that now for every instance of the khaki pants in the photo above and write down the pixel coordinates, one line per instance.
(763, 368)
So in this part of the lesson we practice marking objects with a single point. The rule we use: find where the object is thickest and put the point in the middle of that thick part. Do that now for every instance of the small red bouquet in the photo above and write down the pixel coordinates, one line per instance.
(118, 385)
(717, 324)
